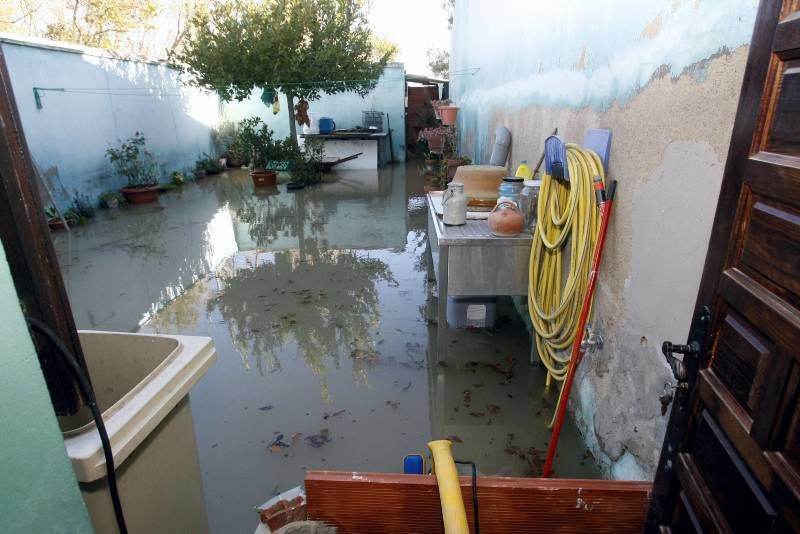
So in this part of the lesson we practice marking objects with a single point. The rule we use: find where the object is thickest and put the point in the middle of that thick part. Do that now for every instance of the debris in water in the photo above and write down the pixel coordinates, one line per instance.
(467, 397)
(213, 445)
(318, 440)
(266, 407)
(407, 386)
(477, 414)
(393, 404)
(442, 364)
(277, 445)
(334, 414)
(493, 408)
(455, 439)
(296, 436)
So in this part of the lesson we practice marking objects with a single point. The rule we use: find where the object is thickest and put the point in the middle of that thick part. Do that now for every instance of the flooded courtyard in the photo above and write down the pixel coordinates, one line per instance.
(323, 316)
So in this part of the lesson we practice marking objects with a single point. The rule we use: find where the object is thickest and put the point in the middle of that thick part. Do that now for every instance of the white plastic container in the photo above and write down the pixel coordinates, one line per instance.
(454, 205)
(142, 384)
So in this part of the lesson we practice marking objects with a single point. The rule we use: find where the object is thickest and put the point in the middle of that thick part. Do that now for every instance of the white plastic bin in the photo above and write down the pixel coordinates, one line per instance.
(142, 384)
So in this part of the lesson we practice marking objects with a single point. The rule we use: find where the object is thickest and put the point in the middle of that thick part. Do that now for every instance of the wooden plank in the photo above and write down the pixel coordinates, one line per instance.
(381, 502)
(30, 253)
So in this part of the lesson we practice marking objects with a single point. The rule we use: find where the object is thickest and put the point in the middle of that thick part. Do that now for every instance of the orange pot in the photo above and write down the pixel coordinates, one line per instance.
(140, 195)
(264, 178)
(448, 114)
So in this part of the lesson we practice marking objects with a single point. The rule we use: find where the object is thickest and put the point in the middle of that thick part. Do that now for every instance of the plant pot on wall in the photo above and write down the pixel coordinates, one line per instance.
(452, 165)
(436, 143)
(449, 114)
(140, 195)
(264, 178)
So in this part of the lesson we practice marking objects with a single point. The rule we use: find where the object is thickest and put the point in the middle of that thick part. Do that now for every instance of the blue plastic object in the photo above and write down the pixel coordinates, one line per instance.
(599, 140)
(326, 125)
(555, 158)
(413, 464)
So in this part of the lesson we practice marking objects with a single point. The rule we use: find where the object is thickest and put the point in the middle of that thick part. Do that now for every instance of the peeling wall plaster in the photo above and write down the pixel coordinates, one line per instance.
(581, 54)
(665, 77)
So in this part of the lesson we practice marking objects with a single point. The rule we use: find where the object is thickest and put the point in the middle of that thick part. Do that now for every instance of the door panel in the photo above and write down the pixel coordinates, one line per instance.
(737, 463)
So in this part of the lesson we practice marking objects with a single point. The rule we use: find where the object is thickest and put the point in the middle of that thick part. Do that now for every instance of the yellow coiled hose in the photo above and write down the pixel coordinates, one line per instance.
(561, 258)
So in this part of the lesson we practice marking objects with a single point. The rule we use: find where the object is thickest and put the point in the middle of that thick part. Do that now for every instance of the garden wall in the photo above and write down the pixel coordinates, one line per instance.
(344, 108)
(665, 76)
(93, 99)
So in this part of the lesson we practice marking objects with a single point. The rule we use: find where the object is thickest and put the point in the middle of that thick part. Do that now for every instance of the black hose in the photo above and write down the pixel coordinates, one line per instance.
(474, 492)
(91, 402)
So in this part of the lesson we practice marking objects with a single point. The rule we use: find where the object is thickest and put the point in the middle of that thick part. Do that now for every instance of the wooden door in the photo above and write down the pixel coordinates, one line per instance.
(731, 456)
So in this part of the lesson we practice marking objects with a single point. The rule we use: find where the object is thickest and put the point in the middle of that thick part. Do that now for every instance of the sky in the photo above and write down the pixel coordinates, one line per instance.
(415, 26)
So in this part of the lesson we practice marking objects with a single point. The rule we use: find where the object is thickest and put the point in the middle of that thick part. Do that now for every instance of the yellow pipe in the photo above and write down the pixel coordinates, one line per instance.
(453, 514)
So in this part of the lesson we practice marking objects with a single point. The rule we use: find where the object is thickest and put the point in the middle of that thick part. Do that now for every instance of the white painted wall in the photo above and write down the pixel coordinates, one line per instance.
(664, 75)
(97, 100)
(344, 108)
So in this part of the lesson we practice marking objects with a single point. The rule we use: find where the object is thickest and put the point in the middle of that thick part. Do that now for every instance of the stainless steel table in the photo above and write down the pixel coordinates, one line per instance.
(468, 261)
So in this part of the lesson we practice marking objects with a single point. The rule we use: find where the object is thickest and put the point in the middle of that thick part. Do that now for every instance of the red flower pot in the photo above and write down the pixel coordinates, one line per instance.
(449, 114)
(436, 143)
(264, 178)
(140, 195)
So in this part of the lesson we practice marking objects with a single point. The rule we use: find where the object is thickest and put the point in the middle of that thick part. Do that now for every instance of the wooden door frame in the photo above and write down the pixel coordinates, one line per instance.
(30, 254)
(665, 486)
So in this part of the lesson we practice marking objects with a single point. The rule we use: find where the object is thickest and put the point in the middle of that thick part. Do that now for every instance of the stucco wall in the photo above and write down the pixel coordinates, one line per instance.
(98, 100)
(38, 490)
(665, 76)
(345, 108)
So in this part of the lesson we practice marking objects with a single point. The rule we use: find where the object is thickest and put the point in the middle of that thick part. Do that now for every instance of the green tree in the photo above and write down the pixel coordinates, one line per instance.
(439, 62)
(302, 48)
(103, 23)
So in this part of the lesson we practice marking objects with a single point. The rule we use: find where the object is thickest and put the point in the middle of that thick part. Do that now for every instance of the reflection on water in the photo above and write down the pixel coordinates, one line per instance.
(319, 306)
(325, 301)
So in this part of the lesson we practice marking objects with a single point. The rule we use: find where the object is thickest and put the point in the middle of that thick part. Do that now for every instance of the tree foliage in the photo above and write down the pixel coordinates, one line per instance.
(439, 62)
(302, 48)
(103, 23)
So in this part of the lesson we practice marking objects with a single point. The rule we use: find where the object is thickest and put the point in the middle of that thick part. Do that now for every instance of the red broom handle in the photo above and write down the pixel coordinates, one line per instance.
(577, 353)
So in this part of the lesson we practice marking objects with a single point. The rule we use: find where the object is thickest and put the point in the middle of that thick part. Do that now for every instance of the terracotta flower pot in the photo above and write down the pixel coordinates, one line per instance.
(436, 143)
(140, 195)
(452, 165)
(264, 178)
(449, 114)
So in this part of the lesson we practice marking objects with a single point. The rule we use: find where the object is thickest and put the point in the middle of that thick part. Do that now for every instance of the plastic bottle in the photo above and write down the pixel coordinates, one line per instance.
(523, 171)
(529, 199)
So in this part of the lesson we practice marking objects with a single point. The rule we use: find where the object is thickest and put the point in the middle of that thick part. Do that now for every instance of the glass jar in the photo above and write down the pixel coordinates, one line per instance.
(529, 202)
(454, 205)
(510, 189)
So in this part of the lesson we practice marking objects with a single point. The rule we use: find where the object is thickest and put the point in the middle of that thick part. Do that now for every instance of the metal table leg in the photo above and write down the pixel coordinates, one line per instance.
(441, 326)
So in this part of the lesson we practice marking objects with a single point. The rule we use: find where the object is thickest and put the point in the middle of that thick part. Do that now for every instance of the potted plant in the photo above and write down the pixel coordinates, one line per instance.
(111, 199)
(209, 164)
(453, 164)
(438, 139)
(133, 161)
(225, 139)
(305, 165)
(449, 114)
(256, 139)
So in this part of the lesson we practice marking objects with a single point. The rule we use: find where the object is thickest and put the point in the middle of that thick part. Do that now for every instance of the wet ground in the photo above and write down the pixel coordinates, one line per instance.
(322, 316)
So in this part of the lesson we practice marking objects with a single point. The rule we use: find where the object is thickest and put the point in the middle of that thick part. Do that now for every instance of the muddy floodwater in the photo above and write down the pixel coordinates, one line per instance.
(323, 318)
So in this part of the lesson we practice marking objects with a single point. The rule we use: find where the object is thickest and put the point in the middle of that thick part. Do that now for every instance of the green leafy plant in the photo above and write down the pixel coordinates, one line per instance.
(177, 178)
(305, 165)
(208, 163)
(133, 161)
(302, 48)
(82, 205)
(257, 141)
(223, 137)
(111, 199)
